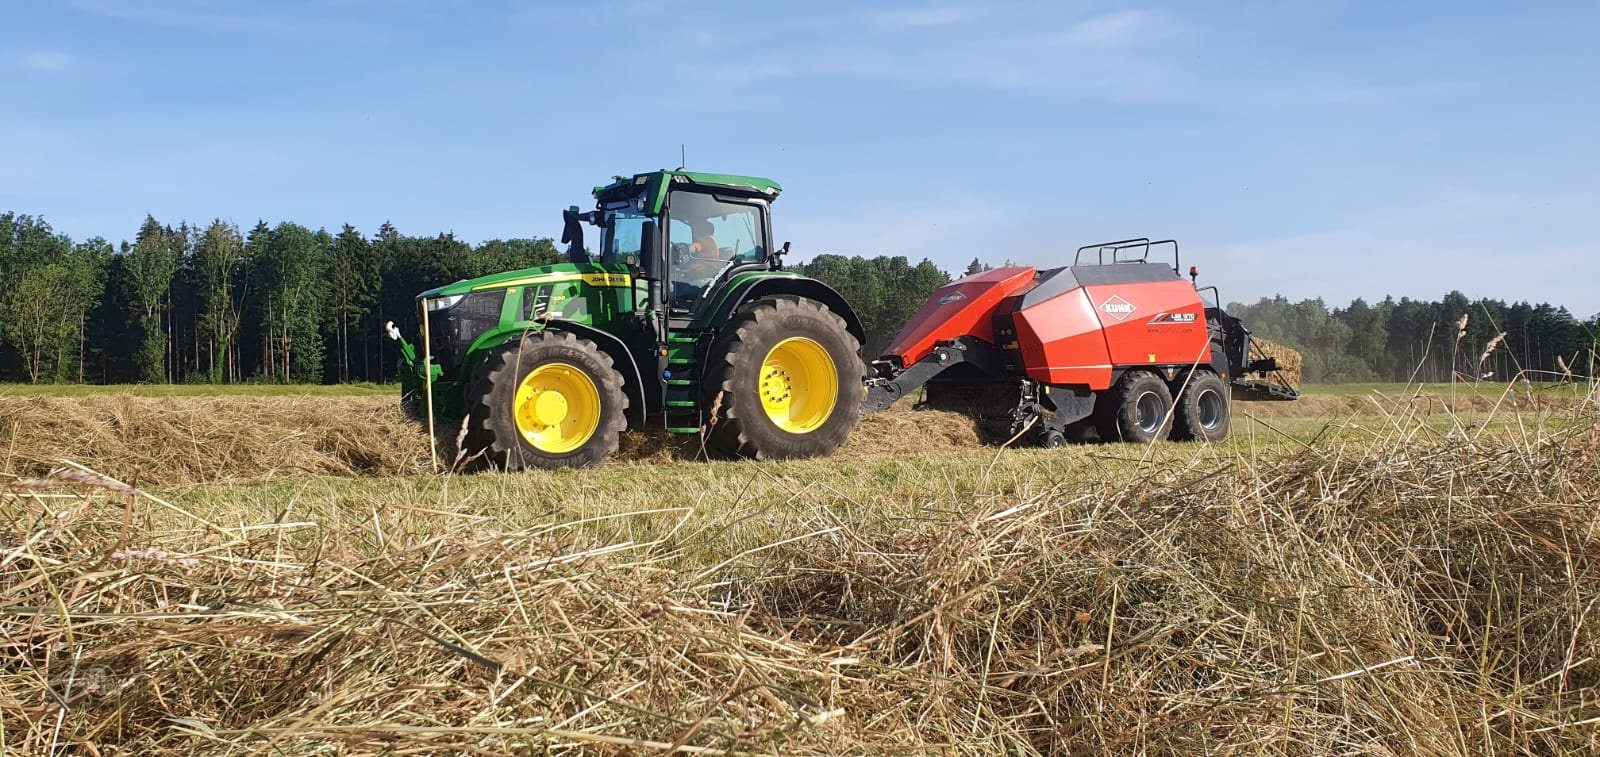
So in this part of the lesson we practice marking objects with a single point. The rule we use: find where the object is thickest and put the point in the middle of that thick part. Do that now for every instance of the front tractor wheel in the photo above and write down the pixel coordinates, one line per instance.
(551, 400)
(1138, 409)
(1203, 413)
(785, 381)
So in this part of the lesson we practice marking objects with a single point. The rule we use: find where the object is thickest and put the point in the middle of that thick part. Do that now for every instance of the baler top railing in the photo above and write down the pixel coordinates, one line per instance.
(1142, 245)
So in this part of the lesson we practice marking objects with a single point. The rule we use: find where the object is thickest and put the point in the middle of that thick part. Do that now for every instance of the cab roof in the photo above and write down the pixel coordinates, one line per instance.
(715, 180)
(653, 186)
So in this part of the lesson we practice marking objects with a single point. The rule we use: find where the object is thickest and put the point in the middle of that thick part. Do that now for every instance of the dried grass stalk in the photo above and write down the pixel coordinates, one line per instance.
(187, 439)
(1409, 597)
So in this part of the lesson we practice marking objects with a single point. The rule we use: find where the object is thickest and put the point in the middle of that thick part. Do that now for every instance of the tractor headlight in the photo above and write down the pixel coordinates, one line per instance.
(444, 303)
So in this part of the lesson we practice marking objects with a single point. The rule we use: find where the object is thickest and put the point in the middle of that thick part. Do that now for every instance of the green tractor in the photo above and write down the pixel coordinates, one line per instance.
(681, 316)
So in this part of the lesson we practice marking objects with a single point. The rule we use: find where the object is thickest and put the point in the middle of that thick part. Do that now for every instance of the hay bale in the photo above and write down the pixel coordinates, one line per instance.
(1290, 364)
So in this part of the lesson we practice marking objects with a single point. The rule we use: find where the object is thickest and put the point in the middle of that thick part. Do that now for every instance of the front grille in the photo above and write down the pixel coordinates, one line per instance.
(451, 332)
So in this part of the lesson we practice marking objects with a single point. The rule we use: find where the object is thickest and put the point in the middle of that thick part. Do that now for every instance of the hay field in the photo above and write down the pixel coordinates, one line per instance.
(1380, 576)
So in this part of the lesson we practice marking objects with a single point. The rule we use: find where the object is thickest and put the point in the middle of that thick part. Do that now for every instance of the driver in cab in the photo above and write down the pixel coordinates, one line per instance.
(701, 262)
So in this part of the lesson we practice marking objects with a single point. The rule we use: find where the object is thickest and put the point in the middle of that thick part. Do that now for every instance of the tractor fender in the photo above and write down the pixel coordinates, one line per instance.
(767, 286)
(621, 358)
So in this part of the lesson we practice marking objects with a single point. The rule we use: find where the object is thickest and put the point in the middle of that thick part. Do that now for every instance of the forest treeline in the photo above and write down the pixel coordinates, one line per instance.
(1406, 339)
(215, 304)
(218, 304)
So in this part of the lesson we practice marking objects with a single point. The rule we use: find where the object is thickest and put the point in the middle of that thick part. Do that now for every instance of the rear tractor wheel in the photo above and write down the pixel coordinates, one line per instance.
(784, 381)
(1138, 409)
(551, 400)
(1203, 413)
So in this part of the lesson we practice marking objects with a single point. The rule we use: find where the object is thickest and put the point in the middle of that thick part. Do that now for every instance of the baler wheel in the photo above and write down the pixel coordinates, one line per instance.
(1138, 409)
(550, 400)
(785, 381)
(1203, 413)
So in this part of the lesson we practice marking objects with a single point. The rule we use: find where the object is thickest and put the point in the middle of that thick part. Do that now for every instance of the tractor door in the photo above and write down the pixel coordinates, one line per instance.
(709, 237)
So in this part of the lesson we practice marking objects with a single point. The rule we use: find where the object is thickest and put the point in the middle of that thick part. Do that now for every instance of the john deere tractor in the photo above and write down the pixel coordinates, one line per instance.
(682, 315)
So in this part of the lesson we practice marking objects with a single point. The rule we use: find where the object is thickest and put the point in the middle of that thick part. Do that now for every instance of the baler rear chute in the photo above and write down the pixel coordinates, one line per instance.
(1114, 342)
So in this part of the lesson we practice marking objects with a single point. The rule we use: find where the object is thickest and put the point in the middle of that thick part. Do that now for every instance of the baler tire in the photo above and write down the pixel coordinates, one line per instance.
(1120, 417)
(492, 426)
(742, 356)
(1204, 410)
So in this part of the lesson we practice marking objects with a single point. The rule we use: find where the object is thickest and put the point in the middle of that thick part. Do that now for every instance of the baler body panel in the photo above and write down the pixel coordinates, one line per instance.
(1062, 342)
(1073, 326)
(961, 308)
(1152, 323)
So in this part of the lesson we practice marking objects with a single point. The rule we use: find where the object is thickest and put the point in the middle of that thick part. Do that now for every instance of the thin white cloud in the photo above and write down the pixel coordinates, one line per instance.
(232, 16)
(922, 17)
(1122, 55)
(1119, 29)
(49, 61)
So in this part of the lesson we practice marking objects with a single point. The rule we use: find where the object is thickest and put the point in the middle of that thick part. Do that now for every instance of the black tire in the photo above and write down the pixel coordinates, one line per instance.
(1138, 409)
(740, 426)
(1204, 411)
(493, 430)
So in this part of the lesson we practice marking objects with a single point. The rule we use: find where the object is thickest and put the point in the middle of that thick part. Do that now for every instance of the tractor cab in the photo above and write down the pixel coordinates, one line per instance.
(682, 232)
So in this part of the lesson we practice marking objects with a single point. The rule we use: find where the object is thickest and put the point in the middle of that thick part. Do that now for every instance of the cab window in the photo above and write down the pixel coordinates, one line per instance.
(707, 235)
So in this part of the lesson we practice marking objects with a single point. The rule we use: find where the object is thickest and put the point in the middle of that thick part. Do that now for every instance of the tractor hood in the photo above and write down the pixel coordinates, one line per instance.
(592, 273)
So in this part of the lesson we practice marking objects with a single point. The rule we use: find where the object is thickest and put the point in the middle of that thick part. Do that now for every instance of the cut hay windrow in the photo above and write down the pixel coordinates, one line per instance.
(182, 440)
(165, 440)
(179, 440)
(1428, 592)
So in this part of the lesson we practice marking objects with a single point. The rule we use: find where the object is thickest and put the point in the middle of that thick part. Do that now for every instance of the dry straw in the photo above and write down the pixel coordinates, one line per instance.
(1423, 592)
(1290, 363)
(182, 440)
(185, 439)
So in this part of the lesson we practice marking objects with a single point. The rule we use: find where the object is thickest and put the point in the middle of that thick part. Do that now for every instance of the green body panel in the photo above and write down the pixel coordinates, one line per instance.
(540, 274)
(600, 296)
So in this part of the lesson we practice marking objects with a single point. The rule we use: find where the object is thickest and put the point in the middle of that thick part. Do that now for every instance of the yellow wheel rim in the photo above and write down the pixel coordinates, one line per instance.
(557, 408)
(799, 385)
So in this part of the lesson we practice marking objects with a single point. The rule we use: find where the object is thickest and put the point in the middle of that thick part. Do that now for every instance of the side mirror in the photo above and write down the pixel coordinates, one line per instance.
(572, 235)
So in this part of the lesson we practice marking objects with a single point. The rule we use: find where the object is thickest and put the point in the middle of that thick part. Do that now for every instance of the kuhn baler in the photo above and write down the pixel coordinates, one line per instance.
(1115, 342)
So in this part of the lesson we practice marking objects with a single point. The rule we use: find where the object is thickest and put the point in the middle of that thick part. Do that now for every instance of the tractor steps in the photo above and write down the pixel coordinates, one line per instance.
(682, 402)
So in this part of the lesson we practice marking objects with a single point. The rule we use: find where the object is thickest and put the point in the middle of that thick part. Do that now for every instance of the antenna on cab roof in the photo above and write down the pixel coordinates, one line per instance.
(682, 161)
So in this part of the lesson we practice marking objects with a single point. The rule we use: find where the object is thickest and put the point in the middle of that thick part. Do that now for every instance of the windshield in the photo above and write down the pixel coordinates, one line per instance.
(706, 236)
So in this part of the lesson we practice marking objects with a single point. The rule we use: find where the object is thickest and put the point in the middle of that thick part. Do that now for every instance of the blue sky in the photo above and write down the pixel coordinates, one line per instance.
(1304, 148)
